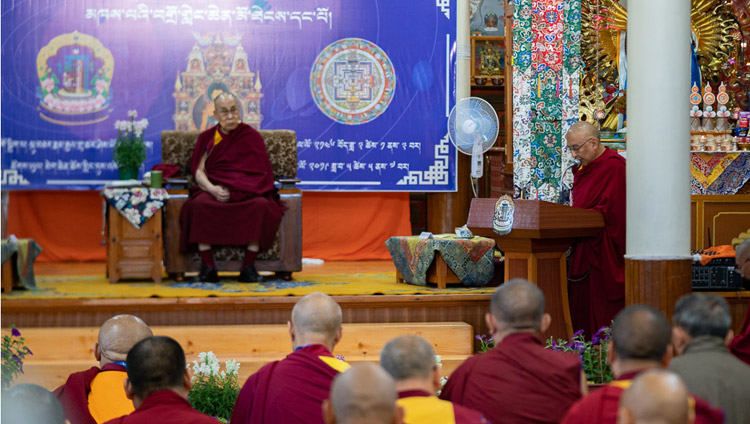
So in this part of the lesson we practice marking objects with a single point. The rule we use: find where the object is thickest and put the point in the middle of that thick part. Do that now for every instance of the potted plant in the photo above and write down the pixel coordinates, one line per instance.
(593, 354)
(130, 150)
(14, 350)
(214, 392)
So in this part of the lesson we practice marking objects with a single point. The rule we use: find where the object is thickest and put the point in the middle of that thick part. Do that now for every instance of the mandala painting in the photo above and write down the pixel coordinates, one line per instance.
(352, 81)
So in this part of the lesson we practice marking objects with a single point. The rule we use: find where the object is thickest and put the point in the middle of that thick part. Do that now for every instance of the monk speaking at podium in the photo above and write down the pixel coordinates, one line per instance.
(596, 266)
(235, 201)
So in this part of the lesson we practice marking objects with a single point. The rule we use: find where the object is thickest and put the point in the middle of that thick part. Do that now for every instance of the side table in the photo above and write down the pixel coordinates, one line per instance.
(131, 252)
(446, 259)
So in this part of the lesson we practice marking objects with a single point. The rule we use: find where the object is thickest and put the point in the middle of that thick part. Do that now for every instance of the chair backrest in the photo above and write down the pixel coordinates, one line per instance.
(177, 148)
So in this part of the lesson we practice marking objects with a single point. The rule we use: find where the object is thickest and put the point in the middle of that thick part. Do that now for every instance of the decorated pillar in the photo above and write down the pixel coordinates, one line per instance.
(658, 265)
(546, 77)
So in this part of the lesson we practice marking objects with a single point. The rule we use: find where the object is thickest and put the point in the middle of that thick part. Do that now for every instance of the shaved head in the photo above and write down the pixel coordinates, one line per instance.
(225, 96)
(641, 332)
(519, 304)
(408, 357)
(656, 396)
(584, 129)
(31, 404)
(119, 334)
(364, 393)
(317, 314)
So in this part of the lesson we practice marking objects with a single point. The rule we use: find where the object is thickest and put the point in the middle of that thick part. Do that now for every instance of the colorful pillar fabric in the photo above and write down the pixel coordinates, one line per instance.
(546, 77)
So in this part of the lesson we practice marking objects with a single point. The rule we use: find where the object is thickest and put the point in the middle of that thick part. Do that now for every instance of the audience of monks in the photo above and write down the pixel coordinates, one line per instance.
(511, 382)
(518, 381)
(640, 342)
(97, 394)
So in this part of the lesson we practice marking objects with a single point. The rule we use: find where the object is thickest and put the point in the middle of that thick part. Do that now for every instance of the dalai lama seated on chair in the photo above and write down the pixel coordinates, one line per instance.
(235, 201)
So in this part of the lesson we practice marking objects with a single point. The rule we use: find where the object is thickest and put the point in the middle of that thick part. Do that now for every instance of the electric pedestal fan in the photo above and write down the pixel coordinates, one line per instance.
(473, 128)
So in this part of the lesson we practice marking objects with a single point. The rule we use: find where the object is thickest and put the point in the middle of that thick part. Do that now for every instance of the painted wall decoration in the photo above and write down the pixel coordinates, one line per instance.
(367, 86)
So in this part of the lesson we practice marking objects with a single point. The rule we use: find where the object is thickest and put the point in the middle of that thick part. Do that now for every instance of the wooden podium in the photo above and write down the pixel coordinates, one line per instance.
(535, 249)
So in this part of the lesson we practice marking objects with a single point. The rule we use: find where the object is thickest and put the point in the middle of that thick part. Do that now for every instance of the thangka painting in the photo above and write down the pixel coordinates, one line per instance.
(546, 77)
(367, 86)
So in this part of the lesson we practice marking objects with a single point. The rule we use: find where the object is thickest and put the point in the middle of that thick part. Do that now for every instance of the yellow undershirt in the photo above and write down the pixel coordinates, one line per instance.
(107, 398)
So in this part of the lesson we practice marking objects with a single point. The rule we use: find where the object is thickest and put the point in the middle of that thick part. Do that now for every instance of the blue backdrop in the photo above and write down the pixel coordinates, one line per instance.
(367, 85)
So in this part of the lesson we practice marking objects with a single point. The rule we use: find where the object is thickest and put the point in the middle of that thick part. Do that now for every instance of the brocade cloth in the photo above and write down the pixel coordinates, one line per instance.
(27, 250)
(470, 259)
(136, 204)
(718, 173)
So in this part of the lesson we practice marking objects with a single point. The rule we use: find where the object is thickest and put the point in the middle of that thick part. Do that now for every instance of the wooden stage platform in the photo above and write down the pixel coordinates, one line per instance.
(469, 308)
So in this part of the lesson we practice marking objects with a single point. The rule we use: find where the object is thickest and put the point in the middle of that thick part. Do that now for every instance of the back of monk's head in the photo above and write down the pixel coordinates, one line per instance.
(408, 357)
(156, 363)
(519, 304)
(364, 393)
(119, 334)
(317, 313)
(702, 314)
(31, 404)
(656, 396)
(640, 332)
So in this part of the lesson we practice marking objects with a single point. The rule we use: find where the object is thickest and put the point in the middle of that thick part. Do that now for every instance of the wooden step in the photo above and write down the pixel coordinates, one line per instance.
(59, 352)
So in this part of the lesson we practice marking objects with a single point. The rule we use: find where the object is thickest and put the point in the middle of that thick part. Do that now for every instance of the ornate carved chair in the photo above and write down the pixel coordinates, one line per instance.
(284, 256)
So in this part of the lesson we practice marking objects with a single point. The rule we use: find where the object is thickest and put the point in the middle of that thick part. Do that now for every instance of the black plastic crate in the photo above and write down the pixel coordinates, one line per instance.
(717, 275)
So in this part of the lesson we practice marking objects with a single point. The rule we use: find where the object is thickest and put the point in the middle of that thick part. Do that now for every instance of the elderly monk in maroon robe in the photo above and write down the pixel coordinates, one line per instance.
(410, 360)
(596, 269)
(363, 394)
(235, 201)
(97, 394)
(292, 390)
(158, 383)
(639, 342)
(519, 381)
(740, 345)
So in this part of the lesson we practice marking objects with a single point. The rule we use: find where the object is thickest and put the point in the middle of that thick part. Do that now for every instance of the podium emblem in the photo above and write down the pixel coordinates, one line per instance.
(502, 222)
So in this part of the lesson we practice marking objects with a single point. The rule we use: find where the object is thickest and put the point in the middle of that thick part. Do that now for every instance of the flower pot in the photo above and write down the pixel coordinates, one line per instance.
(128, 173)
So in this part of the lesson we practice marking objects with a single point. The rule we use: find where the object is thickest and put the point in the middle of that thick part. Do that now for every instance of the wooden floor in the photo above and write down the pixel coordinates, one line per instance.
(469, 308)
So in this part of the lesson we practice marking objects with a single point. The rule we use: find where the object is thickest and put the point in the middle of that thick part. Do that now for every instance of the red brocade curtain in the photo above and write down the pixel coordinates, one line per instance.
(335, 226)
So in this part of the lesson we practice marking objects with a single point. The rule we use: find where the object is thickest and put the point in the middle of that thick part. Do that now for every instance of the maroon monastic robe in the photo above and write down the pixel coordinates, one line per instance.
(596, 269)
(253, 214)
(74, 394)
(519, 381)
(601, 406)
(740, 345)
(288, 391)
(421, 407)
(164, 407)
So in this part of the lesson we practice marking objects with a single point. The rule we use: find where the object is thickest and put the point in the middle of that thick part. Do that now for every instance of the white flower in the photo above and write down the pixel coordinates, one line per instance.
(132, 114)
(438, 361)
(233, 367)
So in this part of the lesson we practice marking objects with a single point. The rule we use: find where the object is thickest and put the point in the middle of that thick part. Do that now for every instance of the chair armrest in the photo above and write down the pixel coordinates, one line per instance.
(287, 183)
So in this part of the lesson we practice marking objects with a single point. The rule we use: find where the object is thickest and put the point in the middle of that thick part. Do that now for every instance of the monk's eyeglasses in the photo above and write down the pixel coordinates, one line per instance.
(225, 113)
(575, 148)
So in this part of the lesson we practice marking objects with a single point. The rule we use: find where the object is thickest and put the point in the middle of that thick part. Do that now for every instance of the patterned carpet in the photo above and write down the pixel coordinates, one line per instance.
(97, 287)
